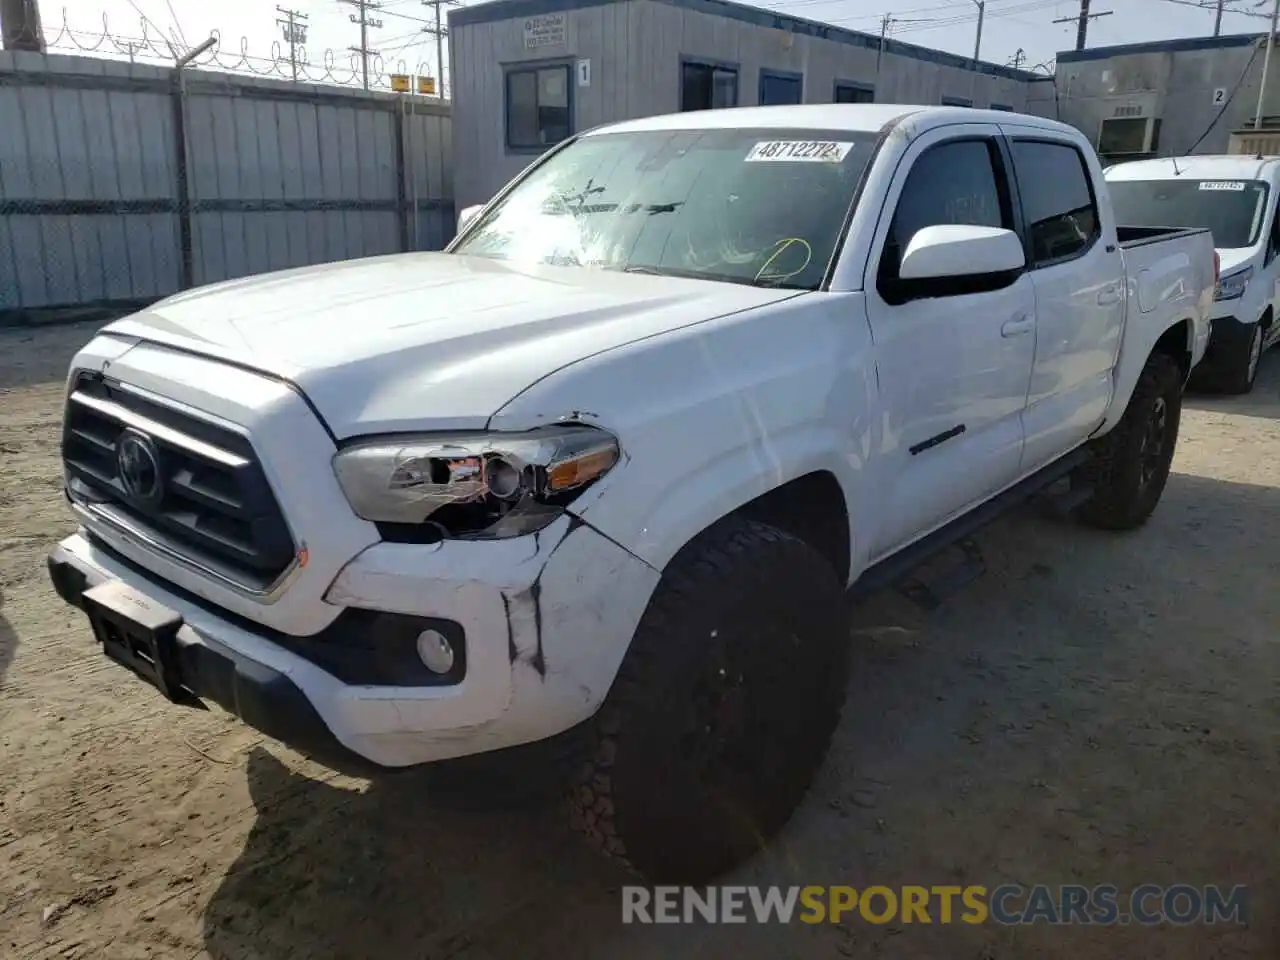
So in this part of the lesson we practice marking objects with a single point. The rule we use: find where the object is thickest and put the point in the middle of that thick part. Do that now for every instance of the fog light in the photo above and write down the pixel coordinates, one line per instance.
(435, 651)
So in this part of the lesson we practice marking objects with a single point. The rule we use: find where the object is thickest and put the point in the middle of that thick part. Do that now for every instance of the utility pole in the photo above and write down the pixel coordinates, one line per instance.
(1217, 20)
(20, 25)
(977, 41)
(1082, 22)
(440, 31)
(885, 23)
(295, 34)
(1266, 64)
(364, 6)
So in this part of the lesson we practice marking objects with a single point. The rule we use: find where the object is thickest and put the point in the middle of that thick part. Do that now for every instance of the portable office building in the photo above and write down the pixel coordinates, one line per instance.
(526, 74)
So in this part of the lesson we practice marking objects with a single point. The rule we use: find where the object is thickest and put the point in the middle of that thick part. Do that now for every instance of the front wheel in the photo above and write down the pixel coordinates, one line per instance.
(723, 709)
(1131, 463)
(1245, 372)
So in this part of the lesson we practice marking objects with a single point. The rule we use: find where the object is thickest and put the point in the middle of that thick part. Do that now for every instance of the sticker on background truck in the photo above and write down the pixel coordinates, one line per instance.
(1221, 184)
(799, 151)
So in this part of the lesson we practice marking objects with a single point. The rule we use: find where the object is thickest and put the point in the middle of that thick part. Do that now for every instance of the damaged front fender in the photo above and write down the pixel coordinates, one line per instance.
(547, 620)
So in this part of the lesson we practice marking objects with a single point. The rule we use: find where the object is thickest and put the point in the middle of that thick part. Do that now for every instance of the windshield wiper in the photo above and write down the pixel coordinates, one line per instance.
(609, 206)
(704, 275)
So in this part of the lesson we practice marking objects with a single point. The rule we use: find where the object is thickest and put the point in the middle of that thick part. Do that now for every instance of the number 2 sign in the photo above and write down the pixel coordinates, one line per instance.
(1219, 96)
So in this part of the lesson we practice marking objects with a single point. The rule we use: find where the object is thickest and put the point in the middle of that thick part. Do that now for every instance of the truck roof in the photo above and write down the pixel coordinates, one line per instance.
(1219, 167)
(854, 117)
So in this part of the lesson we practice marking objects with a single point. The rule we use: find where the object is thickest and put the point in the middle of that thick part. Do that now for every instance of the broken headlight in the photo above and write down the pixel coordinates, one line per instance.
(472, 485)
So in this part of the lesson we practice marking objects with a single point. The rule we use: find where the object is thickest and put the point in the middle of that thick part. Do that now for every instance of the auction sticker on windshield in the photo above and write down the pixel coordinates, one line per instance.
(799, 151)
(1221, 184)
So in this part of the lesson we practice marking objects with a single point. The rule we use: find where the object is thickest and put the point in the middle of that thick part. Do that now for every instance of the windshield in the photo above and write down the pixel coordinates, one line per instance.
(762, 207)
(1232, 209)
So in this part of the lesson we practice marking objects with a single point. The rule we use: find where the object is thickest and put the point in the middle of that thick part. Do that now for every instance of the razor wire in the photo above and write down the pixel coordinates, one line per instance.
(148, 46)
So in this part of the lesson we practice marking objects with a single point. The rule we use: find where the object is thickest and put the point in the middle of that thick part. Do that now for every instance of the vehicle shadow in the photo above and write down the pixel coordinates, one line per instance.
(8, 642)
(1038, 728)
(30, 356)
(333, 872)
(1262, 401)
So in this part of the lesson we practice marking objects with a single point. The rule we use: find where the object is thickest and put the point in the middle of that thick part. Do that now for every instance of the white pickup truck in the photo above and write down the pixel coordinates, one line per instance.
(591, 485)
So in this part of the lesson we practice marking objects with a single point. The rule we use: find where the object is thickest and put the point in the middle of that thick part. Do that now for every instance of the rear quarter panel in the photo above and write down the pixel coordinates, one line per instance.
(1170, 282)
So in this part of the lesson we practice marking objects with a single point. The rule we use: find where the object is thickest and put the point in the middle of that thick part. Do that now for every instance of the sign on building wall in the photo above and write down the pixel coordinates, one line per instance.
(584, 73)
(545, 31)
(400, 82)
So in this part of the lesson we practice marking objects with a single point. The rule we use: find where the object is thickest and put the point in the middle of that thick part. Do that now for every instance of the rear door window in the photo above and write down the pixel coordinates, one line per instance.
(1057, 200)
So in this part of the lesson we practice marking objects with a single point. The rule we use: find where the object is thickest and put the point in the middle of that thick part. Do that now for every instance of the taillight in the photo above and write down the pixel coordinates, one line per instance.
(1217, 267)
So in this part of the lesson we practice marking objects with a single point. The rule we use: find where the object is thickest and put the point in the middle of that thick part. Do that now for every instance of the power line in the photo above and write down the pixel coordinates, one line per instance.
(364, 6)
(295, 34)
(1220, 7)
(439, 32)
(1082, 22)
(925, 23)
(903, 16)
(1225, 103)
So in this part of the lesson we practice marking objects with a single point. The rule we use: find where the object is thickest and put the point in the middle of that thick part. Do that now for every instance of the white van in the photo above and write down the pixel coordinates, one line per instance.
(1235, 197)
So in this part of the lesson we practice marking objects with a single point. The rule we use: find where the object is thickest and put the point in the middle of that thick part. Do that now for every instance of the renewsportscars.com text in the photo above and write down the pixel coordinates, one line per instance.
(1008, 904)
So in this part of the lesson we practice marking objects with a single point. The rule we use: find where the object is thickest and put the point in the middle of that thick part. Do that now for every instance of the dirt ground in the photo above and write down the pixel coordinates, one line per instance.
(1096, 709)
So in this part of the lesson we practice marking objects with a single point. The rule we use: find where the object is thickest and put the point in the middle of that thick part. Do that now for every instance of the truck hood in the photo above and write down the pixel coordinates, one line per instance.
(427, 341)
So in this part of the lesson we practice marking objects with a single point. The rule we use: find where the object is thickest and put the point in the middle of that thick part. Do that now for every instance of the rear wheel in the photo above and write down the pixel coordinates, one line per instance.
(1131, 463)
(723, 709)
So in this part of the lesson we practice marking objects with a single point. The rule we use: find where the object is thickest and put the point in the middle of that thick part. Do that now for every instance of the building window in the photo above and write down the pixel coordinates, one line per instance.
(1002, 106)
(706, 85)
(850, 91)
(956, 102)
(1057, 200)
(539, 110)
(780, 88)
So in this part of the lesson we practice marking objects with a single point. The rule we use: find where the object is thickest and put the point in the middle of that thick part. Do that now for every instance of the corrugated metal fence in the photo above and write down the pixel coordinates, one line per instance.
(121, 183)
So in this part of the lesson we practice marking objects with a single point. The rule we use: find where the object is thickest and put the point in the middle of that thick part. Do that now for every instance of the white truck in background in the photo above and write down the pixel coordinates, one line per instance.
(1235, 198)
(590, 486)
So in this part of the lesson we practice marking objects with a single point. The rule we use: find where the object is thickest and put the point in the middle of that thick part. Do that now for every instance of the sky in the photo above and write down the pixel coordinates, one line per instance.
(1010, 25)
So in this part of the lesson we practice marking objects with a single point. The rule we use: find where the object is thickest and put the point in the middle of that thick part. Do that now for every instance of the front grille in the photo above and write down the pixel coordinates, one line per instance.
(210, 502)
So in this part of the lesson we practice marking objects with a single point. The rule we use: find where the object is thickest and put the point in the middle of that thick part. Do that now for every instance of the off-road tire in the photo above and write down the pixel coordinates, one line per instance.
(1241, 371)
(723, 709)
(1127, 474)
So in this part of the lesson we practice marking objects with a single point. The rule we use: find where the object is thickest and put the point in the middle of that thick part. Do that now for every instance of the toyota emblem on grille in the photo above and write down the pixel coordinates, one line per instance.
(138, 464)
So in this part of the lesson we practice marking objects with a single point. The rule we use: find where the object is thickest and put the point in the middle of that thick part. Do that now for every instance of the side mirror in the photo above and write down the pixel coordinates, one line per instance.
(468, 214)
(961, 250)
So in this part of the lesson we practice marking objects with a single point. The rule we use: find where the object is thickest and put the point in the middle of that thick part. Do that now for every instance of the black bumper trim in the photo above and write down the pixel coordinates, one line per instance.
(365, 648)
(262, 697)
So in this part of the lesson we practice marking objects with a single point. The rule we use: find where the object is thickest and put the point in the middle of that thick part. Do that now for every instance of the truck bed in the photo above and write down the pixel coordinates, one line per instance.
(1137, 236)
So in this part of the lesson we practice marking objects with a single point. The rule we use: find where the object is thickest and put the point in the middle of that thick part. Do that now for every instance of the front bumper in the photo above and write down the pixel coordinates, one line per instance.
(264, 698)
(544, 623)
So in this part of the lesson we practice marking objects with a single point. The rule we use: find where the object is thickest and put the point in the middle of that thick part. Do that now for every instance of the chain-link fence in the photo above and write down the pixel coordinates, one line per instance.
(121, 183)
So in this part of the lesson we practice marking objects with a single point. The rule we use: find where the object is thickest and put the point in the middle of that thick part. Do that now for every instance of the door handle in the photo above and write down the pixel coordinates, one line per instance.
(1017, 326)
(1108, 296)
